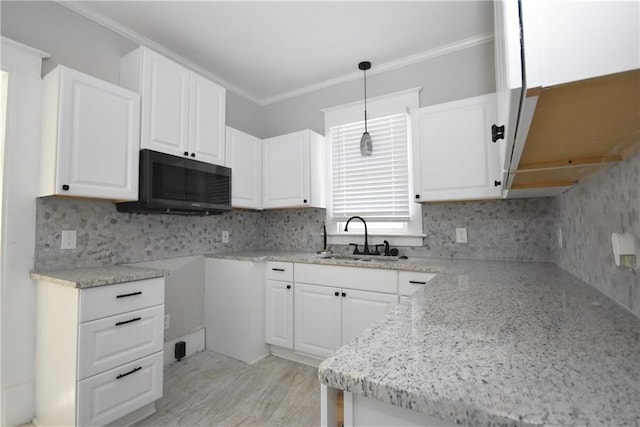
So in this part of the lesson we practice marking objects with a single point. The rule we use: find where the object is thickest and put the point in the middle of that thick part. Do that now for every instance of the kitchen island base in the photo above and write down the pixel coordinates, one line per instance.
(364, 411)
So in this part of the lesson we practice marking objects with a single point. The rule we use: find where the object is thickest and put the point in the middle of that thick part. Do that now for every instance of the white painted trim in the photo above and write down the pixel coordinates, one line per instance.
(379, 68)
(387, 66)
(138, 415)
(27, 49)
(384, 97)
(194, 342)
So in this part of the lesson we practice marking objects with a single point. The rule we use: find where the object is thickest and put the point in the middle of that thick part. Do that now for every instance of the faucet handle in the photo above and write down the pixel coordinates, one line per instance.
(377, 252)
(355, 251)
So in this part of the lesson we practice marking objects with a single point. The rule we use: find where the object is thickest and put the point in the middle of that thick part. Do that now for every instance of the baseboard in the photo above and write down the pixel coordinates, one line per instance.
(285, 353)
(194, 342)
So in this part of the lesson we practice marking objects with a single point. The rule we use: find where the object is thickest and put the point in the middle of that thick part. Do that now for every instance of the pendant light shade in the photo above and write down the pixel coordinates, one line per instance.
(366, 144)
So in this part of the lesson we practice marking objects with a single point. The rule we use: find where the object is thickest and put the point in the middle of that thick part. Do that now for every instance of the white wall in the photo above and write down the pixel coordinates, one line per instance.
(79, 43)
(20, 188)
(461, 74)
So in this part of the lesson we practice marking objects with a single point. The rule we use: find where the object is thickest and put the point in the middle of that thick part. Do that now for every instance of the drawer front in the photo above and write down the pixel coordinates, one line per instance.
(363, 279)
(106, 343)
(280, 271)
(113, 394)
(410, 282)
(109, 300)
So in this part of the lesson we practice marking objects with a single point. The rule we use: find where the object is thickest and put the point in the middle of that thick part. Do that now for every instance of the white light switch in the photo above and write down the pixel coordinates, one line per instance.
(461, 235)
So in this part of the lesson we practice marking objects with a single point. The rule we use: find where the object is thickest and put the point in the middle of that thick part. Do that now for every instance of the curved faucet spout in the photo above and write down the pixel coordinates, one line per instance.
(366, 234)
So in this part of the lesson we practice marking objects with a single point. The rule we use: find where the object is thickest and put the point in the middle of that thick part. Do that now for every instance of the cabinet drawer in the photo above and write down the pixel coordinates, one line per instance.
(106, 343)
(364, 279)
(108, 396)
(109, 300)
(410, 281)
(280, 271)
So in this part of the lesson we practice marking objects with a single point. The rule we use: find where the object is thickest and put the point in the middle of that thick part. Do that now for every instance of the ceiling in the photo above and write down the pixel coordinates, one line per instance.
(269, 51)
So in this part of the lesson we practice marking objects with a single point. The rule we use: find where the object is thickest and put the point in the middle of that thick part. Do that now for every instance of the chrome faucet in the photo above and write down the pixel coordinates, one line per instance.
(366, 235)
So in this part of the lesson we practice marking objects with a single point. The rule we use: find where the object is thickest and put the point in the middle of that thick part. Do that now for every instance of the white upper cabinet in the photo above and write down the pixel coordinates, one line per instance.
(559, 65)
(244, 157)
(454, 156)
(90, 137)
(183, 113)
(207, 118)
(566, 41)
(293, 168)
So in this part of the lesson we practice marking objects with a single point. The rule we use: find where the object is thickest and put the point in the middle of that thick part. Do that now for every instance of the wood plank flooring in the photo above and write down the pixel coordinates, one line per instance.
(208, 389)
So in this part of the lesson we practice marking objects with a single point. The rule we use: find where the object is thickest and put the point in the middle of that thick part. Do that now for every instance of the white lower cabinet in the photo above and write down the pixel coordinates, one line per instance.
(318, 319)
(279, 313)
(113, 394)
(98, 351)
(234, 296)
(361, 309)
(326, 316)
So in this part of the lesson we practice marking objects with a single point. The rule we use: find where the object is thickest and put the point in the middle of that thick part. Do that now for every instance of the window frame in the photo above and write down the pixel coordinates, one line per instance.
(412, 234)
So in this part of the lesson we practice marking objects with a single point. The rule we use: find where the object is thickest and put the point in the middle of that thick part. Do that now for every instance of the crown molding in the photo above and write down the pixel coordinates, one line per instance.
(144, 41)
(387, 66)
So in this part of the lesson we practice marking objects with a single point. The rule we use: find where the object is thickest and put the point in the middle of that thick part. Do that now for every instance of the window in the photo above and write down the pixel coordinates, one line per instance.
(377, 187)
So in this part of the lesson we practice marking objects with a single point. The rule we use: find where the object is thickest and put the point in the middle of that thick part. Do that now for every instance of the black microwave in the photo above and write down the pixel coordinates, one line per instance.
(177, 185)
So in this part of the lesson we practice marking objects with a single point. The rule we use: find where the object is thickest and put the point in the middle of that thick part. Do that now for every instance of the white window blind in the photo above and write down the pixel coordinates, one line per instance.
(374, 187)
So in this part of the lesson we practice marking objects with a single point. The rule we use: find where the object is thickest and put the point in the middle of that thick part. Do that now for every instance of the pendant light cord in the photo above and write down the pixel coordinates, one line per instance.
(365, 101)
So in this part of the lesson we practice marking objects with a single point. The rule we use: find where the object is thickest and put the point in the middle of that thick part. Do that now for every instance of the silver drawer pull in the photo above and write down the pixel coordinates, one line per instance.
(128, 321)
(129, 373)
(278, 269)
(129, 295)
(415, 282)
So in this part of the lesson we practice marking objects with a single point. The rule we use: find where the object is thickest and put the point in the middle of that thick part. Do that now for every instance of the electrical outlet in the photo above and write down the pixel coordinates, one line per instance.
(461, 235)
(68, 239)
(225, 237)
(167, 321)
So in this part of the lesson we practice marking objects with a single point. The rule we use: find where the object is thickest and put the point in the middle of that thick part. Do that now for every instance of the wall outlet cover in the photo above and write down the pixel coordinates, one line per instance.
(167, 321)
(461, 235)
(560, 240)
(68, 239)
(225, 237)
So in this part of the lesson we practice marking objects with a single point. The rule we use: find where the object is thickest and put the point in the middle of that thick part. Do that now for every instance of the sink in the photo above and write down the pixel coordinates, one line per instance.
(364, 258)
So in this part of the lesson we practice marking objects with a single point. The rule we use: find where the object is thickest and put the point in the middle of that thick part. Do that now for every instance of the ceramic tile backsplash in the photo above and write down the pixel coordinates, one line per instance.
(292, 229)
(107, 237)
(606, 202)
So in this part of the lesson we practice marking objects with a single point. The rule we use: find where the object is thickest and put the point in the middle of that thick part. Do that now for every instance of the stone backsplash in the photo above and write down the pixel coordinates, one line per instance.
(106, 236)
(604, 203)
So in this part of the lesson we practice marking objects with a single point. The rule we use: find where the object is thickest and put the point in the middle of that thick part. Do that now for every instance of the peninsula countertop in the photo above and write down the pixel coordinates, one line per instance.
(500, 343)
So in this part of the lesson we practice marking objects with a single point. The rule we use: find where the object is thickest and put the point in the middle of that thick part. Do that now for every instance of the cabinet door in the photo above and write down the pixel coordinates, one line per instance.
(360, 309)
(454, 157)
(279, 313)
(285, 170)
(244, 157)
(509, 85)
(317, 319)
(165, 105)
(97, 139)
(207, 118)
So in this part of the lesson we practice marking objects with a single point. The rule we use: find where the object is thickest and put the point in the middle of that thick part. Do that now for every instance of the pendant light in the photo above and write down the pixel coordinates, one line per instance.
(366, 144)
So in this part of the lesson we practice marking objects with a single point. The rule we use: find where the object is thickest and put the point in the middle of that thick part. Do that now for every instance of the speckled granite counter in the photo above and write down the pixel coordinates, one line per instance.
(98, 276)
(432, 265)
(500, 343)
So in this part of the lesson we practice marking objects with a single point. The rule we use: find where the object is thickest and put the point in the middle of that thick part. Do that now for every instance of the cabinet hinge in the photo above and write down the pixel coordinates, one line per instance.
(497, 132)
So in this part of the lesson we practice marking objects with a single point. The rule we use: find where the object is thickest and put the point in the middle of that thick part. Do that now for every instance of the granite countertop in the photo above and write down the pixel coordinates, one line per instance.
(500, 343)
(98, 276)
(432, 265)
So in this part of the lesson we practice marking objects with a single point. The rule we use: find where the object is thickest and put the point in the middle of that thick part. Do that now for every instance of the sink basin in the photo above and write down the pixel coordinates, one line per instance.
(364, 258)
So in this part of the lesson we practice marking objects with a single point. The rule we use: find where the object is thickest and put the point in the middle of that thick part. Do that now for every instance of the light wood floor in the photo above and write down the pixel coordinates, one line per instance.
(208, 389)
